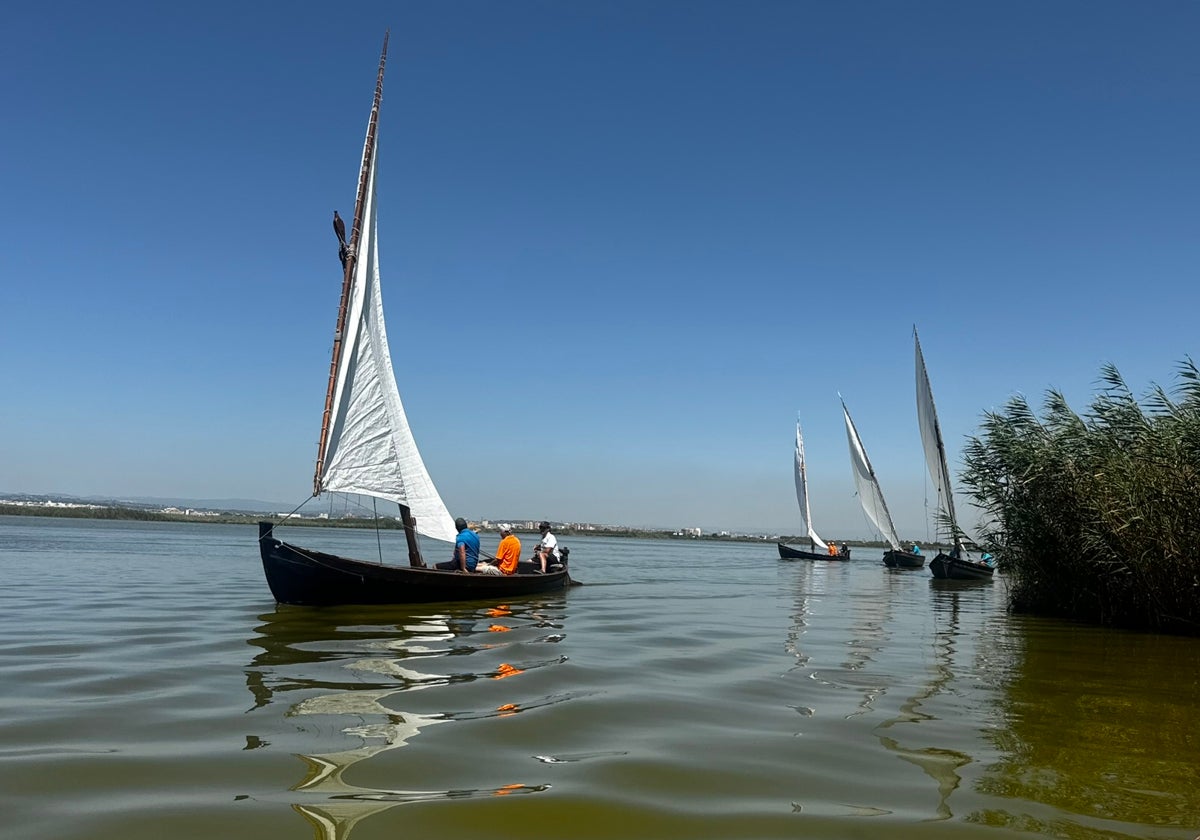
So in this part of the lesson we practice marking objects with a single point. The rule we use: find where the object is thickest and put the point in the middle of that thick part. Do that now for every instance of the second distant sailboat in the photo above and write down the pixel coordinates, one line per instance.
(871, 497)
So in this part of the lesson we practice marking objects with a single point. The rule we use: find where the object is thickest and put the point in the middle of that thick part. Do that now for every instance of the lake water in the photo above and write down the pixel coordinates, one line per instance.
(152, 689)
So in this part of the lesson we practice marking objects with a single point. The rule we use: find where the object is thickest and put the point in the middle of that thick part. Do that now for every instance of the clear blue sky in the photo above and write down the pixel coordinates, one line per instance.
(624, 243)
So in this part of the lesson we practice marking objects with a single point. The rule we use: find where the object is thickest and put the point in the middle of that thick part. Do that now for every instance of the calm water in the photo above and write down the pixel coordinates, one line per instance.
(152, 688)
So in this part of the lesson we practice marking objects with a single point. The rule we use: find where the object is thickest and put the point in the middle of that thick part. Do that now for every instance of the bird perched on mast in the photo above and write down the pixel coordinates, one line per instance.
(339, 227)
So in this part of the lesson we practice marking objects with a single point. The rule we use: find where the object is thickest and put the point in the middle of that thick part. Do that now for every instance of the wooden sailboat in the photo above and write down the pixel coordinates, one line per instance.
(954, 565)
(366, 447)
(817, 548)
(870, 495)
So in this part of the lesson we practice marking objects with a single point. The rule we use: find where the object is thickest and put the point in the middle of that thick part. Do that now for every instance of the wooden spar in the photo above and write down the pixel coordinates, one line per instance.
(351, 262)
(410, 535)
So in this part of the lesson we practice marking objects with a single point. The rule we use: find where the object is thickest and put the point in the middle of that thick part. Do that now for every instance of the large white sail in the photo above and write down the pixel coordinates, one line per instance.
(931, 439)
(371, 449)
(802, 491)
(869, 493)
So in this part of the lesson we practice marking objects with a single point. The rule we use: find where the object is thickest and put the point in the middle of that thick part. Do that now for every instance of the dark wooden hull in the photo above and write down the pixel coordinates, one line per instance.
(312, 578)
(895, 559)
(786, 552)
(946, 567)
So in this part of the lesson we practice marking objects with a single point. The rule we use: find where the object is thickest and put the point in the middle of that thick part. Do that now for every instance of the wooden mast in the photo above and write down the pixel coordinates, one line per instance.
(414, 548)
(350, 264)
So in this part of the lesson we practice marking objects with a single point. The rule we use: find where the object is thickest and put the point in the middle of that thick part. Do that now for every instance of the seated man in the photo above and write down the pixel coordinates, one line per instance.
(546, 553)
(509, 552)
(466, 550)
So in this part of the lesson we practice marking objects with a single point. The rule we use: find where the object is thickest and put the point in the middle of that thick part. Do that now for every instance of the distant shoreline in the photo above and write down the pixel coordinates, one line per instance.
(139, 515)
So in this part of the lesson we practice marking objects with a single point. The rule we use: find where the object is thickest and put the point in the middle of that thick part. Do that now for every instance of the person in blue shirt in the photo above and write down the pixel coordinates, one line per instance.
(916, 549)
(466, 549)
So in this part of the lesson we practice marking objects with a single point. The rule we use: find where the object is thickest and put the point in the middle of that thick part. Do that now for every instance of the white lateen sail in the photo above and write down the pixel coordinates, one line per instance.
(370, 448)
(802, 491)
(869, 493)
(931, 439)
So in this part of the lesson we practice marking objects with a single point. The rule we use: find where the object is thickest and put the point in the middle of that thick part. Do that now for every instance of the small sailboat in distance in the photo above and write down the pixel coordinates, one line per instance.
(786, 552)
(870, 495)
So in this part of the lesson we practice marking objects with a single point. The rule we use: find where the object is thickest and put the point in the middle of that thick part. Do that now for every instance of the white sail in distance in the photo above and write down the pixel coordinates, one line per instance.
(802, 491)
(870, 495)
(371, 449)
(931, 440)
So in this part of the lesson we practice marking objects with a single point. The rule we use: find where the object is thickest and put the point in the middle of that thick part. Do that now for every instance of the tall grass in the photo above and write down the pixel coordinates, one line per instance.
(1096, 516)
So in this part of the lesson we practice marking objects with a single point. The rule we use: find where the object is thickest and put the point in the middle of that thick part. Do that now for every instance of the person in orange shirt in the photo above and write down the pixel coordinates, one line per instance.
(833, 552)
(509, 551)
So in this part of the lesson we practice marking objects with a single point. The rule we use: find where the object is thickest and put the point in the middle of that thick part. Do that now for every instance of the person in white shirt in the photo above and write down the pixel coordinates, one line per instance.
(547, 550)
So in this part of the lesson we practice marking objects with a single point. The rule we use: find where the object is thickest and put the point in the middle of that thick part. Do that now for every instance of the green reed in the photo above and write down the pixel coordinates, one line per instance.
(1096, 516)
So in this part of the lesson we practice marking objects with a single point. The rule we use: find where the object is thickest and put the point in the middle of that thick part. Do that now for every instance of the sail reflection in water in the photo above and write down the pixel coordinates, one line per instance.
(856, 685)
(347, 687)
(338, 806)
(867, 628)
(940, 764)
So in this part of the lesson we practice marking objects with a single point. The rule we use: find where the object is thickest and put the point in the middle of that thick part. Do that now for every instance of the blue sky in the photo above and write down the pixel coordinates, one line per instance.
(624, 244)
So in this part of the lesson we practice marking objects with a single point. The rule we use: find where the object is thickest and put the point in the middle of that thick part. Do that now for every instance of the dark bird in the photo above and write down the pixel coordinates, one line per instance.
(339, 227)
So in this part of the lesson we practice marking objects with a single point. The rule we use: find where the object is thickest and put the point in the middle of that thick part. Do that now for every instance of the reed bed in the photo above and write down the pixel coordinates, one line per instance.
(1096, 517)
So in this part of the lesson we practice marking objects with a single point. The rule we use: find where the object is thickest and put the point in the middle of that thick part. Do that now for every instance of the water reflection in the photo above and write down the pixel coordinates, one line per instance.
(356, 669)
(860, 632)
(806, 594)
(1099, 725)
(939, 763)
(340, 805)
(872, 613)
(1092, 725)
